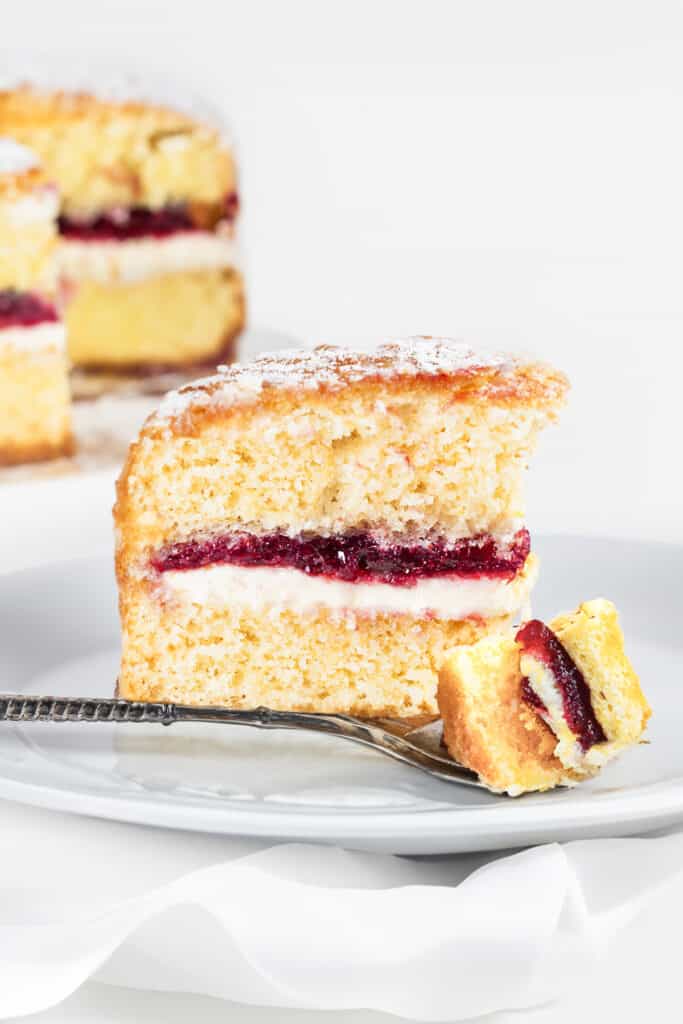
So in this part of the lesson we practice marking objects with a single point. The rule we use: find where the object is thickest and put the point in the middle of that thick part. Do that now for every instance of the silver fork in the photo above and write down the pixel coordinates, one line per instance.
(420, 747)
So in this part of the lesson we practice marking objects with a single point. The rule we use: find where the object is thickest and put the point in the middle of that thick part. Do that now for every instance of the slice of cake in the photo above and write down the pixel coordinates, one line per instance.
(35, 419)
(148, 254)
(545, 706)
(313, 530)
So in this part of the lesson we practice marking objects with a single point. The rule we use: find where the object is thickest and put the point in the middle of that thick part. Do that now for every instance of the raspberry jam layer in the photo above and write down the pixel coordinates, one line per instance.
(124, 225)
(539, 642)
(133, 222)
(24, 309)
(354, 557)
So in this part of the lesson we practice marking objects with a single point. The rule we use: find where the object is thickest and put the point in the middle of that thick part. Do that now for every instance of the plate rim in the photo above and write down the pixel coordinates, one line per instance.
(614, 813)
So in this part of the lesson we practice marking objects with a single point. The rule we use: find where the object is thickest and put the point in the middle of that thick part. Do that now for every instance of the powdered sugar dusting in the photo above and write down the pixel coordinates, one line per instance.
(439, 355)
(15, 158)
(328, 367)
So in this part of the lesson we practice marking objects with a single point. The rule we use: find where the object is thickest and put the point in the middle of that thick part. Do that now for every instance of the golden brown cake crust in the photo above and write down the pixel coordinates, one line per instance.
(429, 365)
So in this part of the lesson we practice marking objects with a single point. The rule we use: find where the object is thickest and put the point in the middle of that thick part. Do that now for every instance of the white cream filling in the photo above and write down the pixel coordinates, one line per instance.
(568, 749)
(221, 586)
(542, 681)
(138, 258)
(38, 336)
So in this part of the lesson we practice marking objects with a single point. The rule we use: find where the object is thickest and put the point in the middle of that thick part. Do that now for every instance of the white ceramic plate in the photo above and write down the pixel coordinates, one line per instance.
(58, 635)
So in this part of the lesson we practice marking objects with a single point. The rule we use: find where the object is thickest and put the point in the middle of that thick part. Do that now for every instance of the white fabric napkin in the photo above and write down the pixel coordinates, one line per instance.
(312, 927)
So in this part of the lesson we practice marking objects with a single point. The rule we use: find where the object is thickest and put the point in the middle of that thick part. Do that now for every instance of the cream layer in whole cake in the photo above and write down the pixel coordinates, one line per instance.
(257, 588)
(135, 259)
(46, 335)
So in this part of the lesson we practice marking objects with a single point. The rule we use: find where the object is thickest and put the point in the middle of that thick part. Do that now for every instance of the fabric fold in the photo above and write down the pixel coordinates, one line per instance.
(313, 927)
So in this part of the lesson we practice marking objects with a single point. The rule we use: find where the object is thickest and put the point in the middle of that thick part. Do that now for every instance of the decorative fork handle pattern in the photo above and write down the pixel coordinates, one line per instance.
(15, 707)
(18, 708)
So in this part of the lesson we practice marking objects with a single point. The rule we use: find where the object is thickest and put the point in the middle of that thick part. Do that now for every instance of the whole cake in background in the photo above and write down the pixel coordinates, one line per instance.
(35, 419)
(148, 210)
(314, 530)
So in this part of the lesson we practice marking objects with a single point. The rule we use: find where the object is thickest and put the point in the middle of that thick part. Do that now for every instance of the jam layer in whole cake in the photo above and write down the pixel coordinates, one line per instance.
(25, 309)
(134, 222)
(539, 642)
(354, 557)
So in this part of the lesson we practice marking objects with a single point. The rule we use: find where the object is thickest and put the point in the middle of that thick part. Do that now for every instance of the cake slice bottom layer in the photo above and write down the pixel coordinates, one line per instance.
(326, 661)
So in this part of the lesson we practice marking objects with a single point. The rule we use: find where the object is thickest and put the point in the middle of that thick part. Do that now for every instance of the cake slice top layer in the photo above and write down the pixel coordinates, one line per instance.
(422, 441)
(432, 363)
(112, 154)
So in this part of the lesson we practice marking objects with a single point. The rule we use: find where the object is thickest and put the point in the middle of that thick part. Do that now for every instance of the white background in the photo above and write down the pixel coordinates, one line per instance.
(510, 172)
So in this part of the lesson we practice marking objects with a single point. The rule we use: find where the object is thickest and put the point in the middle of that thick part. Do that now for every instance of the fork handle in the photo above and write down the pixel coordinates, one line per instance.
(15, 707)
